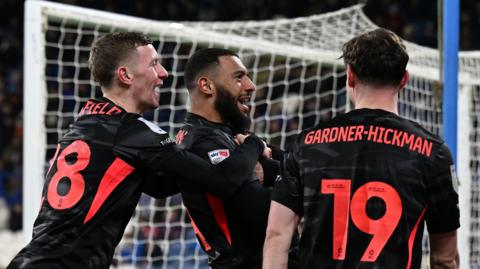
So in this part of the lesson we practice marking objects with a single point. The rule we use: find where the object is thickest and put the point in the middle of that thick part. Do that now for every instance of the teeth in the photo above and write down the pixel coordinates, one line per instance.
(244, 99)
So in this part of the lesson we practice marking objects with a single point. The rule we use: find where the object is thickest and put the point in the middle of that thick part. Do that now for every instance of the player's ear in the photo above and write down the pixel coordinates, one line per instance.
(123, 75)
(204, 85)
(404, 80)
(351, 77)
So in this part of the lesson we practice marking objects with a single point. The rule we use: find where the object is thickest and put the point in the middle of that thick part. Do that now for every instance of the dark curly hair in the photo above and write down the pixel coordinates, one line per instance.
(202, 60)
(377, 57)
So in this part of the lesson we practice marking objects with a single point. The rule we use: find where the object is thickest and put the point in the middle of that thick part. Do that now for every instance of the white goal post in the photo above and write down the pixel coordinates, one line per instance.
(300, 81)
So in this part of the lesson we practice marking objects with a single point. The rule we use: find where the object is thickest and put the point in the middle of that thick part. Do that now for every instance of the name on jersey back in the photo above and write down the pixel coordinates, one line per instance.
(376, 134)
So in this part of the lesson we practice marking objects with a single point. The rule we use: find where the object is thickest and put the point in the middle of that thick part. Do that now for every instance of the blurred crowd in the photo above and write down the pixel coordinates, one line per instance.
(414, 20)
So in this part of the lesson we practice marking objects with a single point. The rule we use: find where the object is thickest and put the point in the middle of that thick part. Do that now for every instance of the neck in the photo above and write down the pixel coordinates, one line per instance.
(122, 98)
(207, 113)
(205, 108)
(385, 98)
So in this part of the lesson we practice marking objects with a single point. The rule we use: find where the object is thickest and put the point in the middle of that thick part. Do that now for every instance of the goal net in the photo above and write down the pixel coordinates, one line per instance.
(300, 81)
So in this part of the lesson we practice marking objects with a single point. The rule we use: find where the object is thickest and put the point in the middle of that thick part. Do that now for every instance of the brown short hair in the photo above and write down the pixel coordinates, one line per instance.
(378, 57)
(109, 51)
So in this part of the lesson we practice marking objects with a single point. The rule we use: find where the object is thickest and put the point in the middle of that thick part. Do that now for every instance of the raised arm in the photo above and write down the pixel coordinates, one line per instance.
(282, 223)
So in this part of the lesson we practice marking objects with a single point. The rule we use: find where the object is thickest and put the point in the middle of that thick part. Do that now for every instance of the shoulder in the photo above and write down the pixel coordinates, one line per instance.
(140, 132)
(203, 136)
(94, 128)
(306, 135)
(415, 127)
(190, 134)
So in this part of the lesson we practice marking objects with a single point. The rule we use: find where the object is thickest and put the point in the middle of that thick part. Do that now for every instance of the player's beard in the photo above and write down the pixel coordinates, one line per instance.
(226, 105)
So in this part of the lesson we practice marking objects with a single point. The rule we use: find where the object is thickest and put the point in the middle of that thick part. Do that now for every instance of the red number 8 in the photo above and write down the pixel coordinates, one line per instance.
(65, 170)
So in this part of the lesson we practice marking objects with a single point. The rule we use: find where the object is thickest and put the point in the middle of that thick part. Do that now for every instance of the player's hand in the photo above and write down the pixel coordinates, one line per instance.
(240, 138)
(259, 172)
(267, 152)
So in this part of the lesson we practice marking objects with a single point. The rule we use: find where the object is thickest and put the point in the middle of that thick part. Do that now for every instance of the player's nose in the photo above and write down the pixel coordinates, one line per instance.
(162, 72)
(250, 86)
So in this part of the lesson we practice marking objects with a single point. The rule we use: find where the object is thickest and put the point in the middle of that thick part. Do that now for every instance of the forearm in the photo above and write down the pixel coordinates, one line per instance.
(282, 223)
(443, 251)
(242, 161)
(160, 185)
(223, 179)
(271, 170)
(277, 153)
(440, 263)
(275, 250)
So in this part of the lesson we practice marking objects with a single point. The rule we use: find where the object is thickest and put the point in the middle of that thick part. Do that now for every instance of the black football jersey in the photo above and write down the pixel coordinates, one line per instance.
(365, 183)
(100, 167)
(231, 231)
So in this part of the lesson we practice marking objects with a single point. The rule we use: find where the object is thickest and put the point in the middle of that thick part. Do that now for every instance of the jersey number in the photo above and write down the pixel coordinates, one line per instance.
(70, 170)
(381, 229)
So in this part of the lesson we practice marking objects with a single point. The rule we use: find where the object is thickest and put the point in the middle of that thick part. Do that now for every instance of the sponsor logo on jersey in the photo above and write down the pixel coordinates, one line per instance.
(167, 141)
(152, 126)
(376, 134)
(218, 155)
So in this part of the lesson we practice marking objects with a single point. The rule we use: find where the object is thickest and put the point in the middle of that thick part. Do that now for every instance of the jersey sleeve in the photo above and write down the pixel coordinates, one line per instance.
(288, 190)
(443, 214)
(222, 179)
(160, 185)
(140, 143)
(147, 147)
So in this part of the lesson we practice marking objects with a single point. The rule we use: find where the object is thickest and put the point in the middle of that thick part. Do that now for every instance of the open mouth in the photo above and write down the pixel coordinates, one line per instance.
(244, 102)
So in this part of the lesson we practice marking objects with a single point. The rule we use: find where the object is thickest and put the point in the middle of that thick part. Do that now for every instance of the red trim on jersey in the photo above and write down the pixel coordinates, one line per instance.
(411, 238)
(53, 158)
(197, 231)
(115, 174)
(180, 136)
(219, 213)
(41, 203)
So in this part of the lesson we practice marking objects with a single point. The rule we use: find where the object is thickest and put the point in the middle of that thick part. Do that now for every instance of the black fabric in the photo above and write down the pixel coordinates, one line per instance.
(104, 161)
(271, 169)
(362, 168)
(245, 213)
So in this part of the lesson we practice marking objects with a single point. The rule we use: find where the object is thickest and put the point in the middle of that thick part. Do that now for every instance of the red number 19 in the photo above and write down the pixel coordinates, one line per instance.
(381, 228)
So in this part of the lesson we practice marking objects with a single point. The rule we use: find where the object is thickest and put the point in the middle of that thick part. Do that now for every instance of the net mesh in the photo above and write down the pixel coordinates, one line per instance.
(474, 235)
(300, 82)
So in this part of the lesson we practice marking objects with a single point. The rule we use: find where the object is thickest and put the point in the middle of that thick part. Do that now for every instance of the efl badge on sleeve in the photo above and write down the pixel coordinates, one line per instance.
(218, 155)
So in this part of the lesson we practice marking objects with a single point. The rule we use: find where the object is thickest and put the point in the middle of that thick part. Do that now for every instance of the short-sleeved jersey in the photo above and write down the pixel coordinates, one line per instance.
(95, 180)
(231, 231)
(365, 183)
(92, 187)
